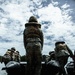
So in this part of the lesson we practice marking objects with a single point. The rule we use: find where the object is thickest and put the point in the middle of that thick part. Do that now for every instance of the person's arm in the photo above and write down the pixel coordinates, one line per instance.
(69, 50)
(42, 38)
(24, 39)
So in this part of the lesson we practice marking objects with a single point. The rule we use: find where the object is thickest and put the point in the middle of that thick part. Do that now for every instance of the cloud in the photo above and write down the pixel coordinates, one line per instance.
(61, 24)
(57, 19)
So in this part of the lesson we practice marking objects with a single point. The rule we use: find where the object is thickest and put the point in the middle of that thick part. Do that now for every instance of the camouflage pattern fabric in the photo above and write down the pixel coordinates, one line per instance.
(33, 43)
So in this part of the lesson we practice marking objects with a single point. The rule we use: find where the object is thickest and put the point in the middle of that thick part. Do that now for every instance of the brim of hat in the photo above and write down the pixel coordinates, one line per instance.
(32, 23)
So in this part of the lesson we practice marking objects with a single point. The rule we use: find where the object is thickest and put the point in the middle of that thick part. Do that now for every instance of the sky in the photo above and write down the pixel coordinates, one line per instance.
(57, 18)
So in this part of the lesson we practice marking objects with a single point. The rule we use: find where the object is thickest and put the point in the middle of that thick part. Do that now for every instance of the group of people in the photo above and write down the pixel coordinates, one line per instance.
(59, 47)
(33, 43)
(11, 55)
(60, 54)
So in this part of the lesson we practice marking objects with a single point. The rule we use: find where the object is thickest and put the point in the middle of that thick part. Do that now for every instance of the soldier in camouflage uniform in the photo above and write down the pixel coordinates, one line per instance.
(6, 57)
(8, 52)
(52, 55)
(62, 52)
(60, 45)
(13, 53)
(17, 56)
(33, 43)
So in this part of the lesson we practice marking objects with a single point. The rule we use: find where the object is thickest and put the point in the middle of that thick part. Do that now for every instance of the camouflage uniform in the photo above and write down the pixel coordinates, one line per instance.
(6, 58)
(13, 54)
(17, 56)
(60, 45)
(62, 52)
(33, 43)
(52, 55)
(8, 52)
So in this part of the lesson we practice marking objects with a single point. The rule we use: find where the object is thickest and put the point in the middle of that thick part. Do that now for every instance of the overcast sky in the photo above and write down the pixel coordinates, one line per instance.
(57, 18)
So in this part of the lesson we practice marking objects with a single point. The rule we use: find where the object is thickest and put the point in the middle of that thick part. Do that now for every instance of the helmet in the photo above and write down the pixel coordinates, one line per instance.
(13, 49)
(17, 51)
(9, 49)
(32, 21)
(59, 42)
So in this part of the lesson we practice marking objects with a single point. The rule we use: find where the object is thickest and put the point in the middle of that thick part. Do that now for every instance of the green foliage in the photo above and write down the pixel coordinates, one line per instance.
(23, 58)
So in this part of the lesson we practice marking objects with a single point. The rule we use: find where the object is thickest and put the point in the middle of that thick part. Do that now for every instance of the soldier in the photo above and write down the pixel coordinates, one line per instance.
(52, 55)
(13, 53)
(60, 45)
(33, 43)
(62, 52)
(17, 56)
(8, 52)
(6, 58)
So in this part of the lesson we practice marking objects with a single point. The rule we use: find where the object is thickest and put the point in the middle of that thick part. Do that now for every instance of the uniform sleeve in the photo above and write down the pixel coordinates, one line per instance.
(71, 54)
(24, 39)
(42, 38)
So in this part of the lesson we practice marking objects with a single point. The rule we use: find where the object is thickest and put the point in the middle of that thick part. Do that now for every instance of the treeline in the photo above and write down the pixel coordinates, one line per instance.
(23, 58)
